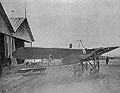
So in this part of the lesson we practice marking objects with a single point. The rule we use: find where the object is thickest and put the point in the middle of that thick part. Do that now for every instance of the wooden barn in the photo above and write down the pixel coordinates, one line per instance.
(22, 35)
(6, 30)
(14, 33)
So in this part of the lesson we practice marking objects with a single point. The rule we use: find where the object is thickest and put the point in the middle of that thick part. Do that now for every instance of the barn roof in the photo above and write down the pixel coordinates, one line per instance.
(16, 23)
(6, 19)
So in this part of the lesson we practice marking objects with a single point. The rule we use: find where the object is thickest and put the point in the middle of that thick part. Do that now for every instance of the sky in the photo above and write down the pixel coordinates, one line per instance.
(57, 23)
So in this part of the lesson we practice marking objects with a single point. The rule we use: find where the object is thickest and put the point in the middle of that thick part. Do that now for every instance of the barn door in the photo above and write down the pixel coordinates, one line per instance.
(2, 49)
(19, 43)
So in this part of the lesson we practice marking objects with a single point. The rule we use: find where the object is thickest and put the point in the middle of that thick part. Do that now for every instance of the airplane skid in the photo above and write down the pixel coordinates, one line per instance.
(75, 68)
(79, 68)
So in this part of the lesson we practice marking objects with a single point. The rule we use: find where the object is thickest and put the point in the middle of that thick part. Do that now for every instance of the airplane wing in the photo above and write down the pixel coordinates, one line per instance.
(76, 58)
(56, 53)
(101, 50)
(43, 53)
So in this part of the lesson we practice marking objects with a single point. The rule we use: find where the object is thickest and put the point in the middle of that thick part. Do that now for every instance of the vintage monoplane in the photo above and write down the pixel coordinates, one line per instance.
(73, 59)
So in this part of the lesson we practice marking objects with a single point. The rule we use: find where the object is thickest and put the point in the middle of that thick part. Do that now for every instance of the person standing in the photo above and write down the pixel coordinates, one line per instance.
(107, 60)
(9, 62)
(98, 63)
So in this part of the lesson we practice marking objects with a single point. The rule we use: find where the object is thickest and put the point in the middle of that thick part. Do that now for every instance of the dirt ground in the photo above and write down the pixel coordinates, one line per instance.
(58, 79)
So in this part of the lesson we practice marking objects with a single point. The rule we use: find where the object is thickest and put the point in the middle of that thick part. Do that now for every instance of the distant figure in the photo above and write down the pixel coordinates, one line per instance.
(0, 66)
(9, 62)
(70, 45)
(98, 63)
(50, 58)
(107, 60)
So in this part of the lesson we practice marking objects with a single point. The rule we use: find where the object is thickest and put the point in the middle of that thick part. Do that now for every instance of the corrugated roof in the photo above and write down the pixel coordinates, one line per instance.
(16, 22)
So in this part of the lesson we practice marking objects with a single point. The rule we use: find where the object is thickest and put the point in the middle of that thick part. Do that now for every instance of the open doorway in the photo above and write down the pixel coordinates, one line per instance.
(2, 50)
(19, 43)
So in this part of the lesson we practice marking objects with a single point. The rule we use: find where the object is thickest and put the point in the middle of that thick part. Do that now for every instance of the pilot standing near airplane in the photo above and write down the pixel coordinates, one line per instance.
(97, 58)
